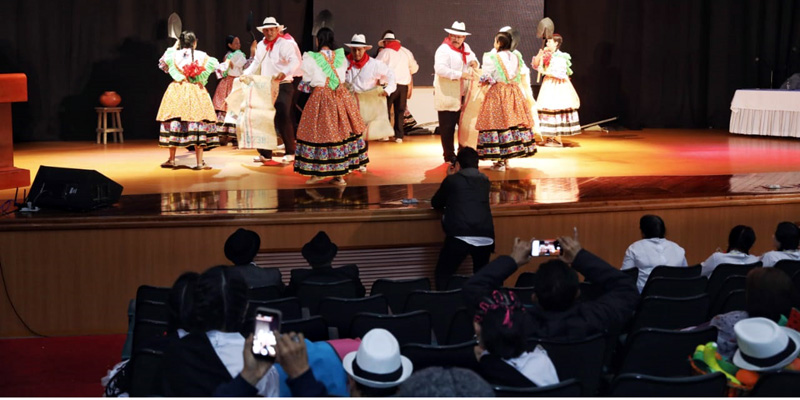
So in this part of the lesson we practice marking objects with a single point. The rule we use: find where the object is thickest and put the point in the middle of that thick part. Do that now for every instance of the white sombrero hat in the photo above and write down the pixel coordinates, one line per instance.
(764, 346)
(458, 28)
(389, 36)
(358, 40)
(269, 22)
(378, 363)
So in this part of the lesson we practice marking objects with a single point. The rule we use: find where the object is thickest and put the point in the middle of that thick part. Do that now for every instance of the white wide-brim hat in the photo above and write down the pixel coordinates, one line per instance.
(764, 346)
(377, 363)
(458, 28)
(358, 40)
(269, 22)
(387, 37)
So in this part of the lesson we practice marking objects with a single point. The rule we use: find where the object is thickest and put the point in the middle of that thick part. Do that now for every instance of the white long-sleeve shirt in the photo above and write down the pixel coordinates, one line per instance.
(449, 64)
(229, 347)
(401, 62)
(373, 73)
(282, 58)
(509, 60)
(646, 254)
(313, 74)
(237, 62)
(733, 257)
(770, 258)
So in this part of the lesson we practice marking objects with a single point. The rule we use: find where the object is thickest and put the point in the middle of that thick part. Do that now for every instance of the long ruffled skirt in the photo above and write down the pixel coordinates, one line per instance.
(187, 117)
(558, 105)
(504, 124)
(330, 135)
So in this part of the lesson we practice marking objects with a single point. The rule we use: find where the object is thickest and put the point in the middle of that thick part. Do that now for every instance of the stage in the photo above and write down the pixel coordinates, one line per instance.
(73, 273)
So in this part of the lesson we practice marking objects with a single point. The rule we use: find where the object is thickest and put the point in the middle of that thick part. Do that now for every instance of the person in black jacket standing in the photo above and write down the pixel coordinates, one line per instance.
(467, 220)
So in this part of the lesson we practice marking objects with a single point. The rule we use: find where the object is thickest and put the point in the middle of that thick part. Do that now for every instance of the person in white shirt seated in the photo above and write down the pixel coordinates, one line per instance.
(653, 250)
(740, 240)
(786, 239)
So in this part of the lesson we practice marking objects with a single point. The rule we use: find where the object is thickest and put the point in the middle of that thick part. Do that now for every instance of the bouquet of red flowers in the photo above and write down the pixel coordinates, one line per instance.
(192, 70)
(546, 58)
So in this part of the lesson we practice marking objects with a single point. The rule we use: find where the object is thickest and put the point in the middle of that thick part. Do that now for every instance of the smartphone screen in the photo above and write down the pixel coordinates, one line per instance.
(267, 323)
(549, 247)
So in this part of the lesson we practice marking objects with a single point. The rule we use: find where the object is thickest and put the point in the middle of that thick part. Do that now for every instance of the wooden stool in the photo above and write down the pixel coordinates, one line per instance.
(102, 123)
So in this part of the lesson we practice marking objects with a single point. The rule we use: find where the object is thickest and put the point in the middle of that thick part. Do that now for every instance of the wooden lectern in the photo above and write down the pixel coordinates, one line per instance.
(13, 88)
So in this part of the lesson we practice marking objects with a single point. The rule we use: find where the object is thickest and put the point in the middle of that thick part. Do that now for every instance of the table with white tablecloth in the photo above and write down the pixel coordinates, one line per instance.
(766, 112)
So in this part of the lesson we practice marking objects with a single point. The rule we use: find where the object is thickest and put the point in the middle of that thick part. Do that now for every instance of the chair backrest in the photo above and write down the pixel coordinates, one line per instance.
(412, 327)
(144, 368)
(791, 267)
(313, 328)
(722, 272)
(669, 271)
(153, 293)
(397, 291)
(675, 287)
(456, 282)
(730, 284)
(460, 355)
(734, 301)
(146, 330)
(461, 329)
(289, 307)
(264, 293)
(637, 385)
(441, 305)
(567, 388)
(670, 313)
(524, 294)
(582, 359)
(526, 279)
(147, 310)
(782, 383)
(661, 352)
(338, 313)
(310, 293)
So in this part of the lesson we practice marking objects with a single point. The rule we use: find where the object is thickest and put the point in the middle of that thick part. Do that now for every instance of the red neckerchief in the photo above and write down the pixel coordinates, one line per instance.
(271, 44)
(286, 36)
(357, 64)
(461, 50)
(392, 44)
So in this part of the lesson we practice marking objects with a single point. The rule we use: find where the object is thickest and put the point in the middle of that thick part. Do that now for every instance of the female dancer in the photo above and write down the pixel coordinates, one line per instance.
(505, 120)
(186, 112)
(227, 130)
(329, 138)
(558, 103)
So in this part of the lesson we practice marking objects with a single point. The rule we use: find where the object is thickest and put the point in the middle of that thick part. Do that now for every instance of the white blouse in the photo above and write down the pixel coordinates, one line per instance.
(373, 73)
(237, 63)
(509, 60)
(313, 74)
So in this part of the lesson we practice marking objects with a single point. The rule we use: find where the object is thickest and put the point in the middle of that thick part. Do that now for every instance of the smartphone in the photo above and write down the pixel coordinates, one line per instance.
(267, 324)
(549, 247)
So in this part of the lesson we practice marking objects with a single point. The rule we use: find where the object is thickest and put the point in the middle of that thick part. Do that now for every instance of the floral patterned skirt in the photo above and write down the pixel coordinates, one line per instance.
(223, 90)
(186, 102)
(504, 144)
(177, 133)
(504, 106)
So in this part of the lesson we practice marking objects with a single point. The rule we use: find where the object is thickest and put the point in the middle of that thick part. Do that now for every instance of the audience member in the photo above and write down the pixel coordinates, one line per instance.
(445, 382)
(502, 341)
(770, 294)
(181, 304)
(241, 249)
(653, 250)
(211, 355)
(376, 369)
(319, 253)
(740, 240)
(557, 314)
(786, 240)
(467, 220)
(764, 346)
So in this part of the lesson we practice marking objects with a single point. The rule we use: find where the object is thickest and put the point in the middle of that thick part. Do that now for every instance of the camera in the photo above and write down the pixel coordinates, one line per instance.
(548, 247)
(267, 324)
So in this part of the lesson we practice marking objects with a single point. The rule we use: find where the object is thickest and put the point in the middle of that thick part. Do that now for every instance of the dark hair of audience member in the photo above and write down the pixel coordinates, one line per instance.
(445, 382)
(652, 226)
(467, 158)
(556, 285)
(741, 239)
(181, 302)
(220, 299)
(368, 391)
(788, 236)
(501, 319)
(770, 293)
(325, 39)
(504, 40)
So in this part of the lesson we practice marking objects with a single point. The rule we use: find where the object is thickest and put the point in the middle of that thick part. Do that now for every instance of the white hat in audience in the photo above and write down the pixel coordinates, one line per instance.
(763, 345)
(378, 363)
(458, 28)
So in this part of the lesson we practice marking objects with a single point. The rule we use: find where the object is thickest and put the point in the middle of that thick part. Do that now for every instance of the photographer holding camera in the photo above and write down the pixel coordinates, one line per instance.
(557, 314)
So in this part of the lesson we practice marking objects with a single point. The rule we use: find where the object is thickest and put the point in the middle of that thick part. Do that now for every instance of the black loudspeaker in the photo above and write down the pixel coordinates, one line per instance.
(73, 189)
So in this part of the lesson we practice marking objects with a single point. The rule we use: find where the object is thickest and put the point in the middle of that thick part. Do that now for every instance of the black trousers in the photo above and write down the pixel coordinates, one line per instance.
(398, 99)
(283, 119)
(447, 129)
(453, 253)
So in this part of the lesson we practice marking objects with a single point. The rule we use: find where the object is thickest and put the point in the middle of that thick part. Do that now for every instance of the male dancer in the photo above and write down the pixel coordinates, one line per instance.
(403, 64)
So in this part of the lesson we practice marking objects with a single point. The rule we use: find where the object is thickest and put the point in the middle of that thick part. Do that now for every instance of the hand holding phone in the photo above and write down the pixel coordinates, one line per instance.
(267, 324)
(548, 247)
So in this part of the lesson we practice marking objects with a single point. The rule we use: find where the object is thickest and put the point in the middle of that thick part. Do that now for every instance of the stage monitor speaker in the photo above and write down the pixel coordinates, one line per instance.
(73, 189)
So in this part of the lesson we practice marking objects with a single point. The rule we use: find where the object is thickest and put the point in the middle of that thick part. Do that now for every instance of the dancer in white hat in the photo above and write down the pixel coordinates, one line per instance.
(403, 64)
(452, 64)
(372, 81)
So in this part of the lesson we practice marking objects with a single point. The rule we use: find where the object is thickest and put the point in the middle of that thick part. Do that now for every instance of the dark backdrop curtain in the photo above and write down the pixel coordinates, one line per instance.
(653, 63)
(676, 63)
